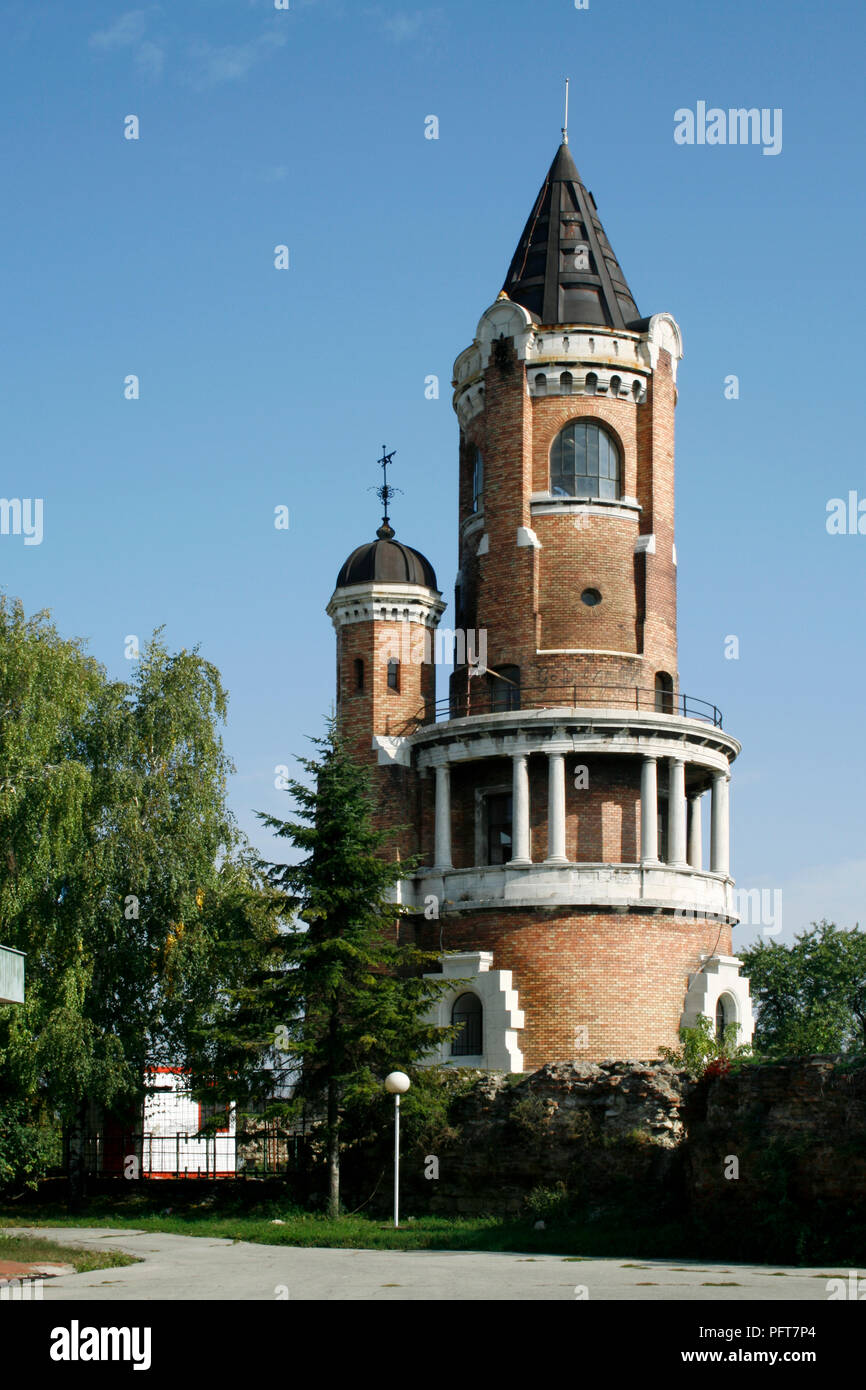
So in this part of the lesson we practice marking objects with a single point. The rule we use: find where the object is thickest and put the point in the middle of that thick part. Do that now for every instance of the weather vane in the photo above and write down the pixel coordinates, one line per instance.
(385, 493)
(565, 127)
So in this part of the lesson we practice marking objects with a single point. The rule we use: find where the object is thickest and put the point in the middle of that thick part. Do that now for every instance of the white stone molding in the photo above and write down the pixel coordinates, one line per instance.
(473, 523)
(502, 1018)
(663, 332)
(636, 887)
(719, 976)
(376, 602)
(483, 545)
(392, 750)
(616, 384)
(504, 319)
(645, 545)
(527, 537)
(623, 508)
(596, 730)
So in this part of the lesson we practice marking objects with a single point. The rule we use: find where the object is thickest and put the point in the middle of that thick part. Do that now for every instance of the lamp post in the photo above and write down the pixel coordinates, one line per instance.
(397, 1083)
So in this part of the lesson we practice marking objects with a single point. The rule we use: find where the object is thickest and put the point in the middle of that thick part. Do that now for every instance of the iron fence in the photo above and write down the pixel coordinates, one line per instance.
(131, 1155)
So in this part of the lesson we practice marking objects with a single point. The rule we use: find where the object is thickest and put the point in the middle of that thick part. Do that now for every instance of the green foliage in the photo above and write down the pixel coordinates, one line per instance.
(339, 990)
(528, 1118)
(30, 1144)
(702, 1052)
(811, 996)
(117, 860)
(549, 1203)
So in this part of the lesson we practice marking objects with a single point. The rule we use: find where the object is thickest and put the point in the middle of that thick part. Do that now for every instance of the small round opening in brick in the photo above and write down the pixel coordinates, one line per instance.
(590, 597)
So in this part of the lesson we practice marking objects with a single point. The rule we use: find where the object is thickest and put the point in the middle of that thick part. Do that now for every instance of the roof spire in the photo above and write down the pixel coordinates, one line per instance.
(385, 493)
(564, 270)
(565, 127)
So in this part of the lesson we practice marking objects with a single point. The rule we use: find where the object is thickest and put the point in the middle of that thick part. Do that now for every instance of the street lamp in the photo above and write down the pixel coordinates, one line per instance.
(397, 1083)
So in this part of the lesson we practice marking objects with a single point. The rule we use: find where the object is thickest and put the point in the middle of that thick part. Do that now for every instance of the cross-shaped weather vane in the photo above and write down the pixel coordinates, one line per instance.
(385, 493)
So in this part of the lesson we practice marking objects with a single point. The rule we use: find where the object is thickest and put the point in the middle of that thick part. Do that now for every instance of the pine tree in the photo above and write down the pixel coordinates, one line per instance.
(345, 993)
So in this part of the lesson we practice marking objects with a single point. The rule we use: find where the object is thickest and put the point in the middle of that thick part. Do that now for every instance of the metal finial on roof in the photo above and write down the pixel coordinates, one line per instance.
(565, 127)
(385, 493)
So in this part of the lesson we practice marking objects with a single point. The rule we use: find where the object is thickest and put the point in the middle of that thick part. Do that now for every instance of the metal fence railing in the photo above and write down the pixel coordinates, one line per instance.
(145, 1155)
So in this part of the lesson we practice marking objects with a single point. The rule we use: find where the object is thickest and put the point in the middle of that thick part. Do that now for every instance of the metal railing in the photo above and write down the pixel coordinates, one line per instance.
(483, 698)
(146, 1155)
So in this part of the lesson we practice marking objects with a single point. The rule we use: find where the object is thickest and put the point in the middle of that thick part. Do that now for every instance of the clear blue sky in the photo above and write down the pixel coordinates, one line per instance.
(260, 387)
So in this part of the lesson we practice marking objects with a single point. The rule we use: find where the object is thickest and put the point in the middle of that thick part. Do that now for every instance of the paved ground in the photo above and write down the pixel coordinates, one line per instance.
(201, 1267)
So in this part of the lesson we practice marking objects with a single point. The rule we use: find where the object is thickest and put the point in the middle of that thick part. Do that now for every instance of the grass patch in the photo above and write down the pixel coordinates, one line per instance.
(253, 1221)
(35, 1250)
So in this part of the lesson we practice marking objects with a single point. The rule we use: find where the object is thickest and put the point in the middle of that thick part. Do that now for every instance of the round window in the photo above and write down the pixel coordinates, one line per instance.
(590, 597)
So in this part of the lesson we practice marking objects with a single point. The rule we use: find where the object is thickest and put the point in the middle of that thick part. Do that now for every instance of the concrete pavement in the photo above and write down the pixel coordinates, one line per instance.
(201, 1268)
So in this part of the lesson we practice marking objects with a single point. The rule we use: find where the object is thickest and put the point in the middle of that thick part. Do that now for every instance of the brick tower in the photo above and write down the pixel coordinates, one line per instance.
(556, 796)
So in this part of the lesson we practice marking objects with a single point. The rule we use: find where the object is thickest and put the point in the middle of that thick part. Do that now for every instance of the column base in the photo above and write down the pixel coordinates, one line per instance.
(651, 864)
(518, 864)
(557, 859)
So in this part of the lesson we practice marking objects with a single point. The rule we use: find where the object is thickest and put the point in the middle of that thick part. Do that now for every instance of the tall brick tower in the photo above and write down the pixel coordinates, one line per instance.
(556, 796)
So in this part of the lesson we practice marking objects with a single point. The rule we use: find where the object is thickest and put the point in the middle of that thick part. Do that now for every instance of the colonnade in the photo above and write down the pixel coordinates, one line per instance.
(684, 815)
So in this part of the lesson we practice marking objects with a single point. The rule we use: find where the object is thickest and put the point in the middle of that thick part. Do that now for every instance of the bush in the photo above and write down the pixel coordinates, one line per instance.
(548, 1203)
(30, 1144)
(702, 1053)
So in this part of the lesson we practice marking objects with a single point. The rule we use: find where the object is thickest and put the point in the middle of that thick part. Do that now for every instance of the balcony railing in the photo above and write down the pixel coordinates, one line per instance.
(484, 698)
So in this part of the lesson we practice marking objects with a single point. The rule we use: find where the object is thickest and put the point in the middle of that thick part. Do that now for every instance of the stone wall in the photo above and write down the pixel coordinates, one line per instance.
(644, 1141)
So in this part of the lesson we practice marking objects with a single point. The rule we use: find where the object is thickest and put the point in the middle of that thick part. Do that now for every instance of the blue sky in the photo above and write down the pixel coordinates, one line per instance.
(259, 387)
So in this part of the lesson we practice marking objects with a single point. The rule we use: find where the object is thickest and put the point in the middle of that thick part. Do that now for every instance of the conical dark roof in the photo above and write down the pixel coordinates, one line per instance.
(564, 270)
(388, 562)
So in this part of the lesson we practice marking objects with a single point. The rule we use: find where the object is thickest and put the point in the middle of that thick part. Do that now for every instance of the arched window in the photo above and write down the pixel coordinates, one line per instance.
(504, 684)
(541, 384)
(566, 384)
(664, 693)
(477, 481)
(591, 383)
(615, 385)
(725, 1015)
(468, 1012)
(393, 674)
(584, 462)
(359, 673)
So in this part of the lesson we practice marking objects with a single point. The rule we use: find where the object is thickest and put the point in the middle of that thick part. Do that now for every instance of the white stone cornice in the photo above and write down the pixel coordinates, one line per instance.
(375, 601)
(623, 509)
(603, 731)
(647, 888)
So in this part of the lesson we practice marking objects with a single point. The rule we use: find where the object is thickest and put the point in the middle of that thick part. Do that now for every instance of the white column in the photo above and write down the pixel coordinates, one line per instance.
(649, 813)
(443, 817)
(677, 812)
(695, 832)
(556, 810)
(520, 810)
(720, 830)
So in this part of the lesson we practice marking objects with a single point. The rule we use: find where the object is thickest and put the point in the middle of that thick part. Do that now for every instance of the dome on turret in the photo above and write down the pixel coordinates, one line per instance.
(387, 561)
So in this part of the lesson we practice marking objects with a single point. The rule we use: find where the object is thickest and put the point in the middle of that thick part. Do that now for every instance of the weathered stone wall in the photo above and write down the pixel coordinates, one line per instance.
(796, 1132)
(644, 1139)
